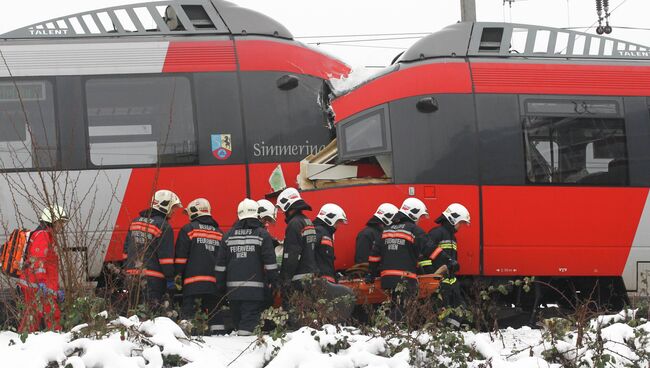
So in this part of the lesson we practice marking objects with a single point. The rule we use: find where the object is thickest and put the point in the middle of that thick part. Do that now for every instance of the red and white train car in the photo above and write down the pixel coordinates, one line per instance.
(542, 133)
(202, 97)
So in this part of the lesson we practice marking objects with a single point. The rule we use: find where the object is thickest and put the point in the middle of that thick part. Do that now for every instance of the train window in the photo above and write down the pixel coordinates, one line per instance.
(28, 137)
(365, 135)
(576, 150)
(141, 121)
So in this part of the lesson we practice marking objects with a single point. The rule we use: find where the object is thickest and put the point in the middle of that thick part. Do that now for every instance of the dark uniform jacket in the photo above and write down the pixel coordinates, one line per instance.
(444, 236)
(246, 261)
(368, 236)
(299, 244)
(149, 246)
(196, 255)
(324, 253)
(395, 258)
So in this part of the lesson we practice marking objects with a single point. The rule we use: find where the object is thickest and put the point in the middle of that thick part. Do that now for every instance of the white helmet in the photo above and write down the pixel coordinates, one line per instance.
(54, 213)
(331, 213)
(197, 208)
(385, 213)
(164, 200)
(267, 209)
(414, 208)
(456, 213)
(247, 209)
(288, 197)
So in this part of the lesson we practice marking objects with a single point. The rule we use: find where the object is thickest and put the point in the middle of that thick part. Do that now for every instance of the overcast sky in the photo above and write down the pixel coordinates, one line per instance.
(359, 17)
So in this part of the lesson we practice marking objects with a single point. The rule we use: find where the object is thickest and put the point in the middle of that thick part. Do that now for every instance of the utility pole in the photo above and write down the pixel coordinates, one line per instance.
(468, 10)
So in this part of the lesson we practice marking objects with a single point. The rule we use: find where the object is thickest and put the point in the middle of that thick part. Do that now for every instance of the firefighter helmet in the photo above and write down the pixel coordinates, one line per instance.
(197, 208)
(53, 213)
(247, 209)
(288, 197)
(267, 209)
(414, 208)
(331, 213)
(456, 213)
(164, 201)
(385, 213)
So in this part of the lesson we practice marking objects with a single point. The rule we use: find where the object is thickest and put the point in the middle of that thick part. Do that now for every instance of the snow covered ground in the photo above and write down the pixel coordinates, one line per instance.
(161, 343)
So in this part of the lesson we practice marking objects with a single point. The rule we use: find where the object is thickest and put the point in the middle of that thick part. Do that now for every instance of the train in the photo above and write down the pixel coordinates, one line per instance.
(540, 132)
(100, 109)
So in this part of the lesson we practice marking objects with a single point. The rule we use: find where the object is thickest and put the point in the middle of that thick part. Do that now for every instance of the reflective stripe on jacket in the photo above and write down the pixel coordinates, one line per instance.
(324, 251)
(197, 247)
(149, 246)
(299, 248)
(246, 261)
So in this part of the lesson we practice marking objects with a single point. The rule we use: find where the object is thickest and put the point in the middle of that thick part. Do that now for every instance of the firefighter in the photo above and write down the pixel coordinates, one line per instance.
(149, 250)
(329, 218)
(196, 255)
(395, 258)
(450, 221)
(39, 281)
(246, 265)
(371, 234)
(298, 262)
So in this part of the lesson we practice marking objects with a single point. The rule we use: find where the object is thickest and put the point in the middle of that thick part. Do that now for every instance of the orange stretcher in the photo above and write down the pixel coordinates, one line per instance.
(374, 294)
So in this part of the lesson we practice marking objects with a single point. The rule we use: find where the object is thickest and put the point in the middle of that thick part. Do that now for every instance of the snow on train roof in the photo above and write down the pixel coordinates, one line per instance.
(520, 40)
(180, 17)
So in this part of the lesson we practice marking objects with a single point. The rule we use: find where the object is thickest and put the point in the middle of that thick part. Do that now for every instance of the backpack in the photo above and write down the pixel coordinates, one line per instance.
(14, 252)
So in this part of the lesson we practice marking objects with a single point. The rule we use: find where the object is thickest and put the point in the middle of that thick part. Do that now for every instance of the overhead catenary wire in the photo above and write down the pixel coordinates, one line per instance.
(367, 35)
(618, 27)
(364, 40)
(366, 46)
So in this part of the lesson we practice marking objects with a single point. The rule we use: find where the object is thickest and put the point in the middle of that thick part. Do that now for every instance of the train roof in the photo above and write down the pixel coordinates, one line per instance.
(177, 18)
(476, 39)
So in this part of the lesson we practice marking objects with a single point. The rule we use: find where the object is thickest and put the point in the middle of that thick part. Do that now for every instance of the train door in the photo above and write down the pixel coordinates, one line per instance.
(636, 274)
(555, 175)
(435, 156)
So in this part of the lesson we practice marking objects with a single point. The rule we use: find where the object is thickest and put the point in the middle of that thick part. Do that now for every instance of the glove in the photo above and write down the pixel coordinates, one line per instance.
(171, 285)
(60, 296)
(454, 266)
(178, 282)
(369, 279)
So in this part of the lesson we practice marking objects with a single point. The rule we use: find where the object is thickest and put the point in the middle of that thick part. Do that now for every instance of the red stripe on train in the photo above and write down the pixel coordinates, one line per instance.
(203, 56)
(254, 55)
(418, 80)
(561, 79)
(259, 55)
